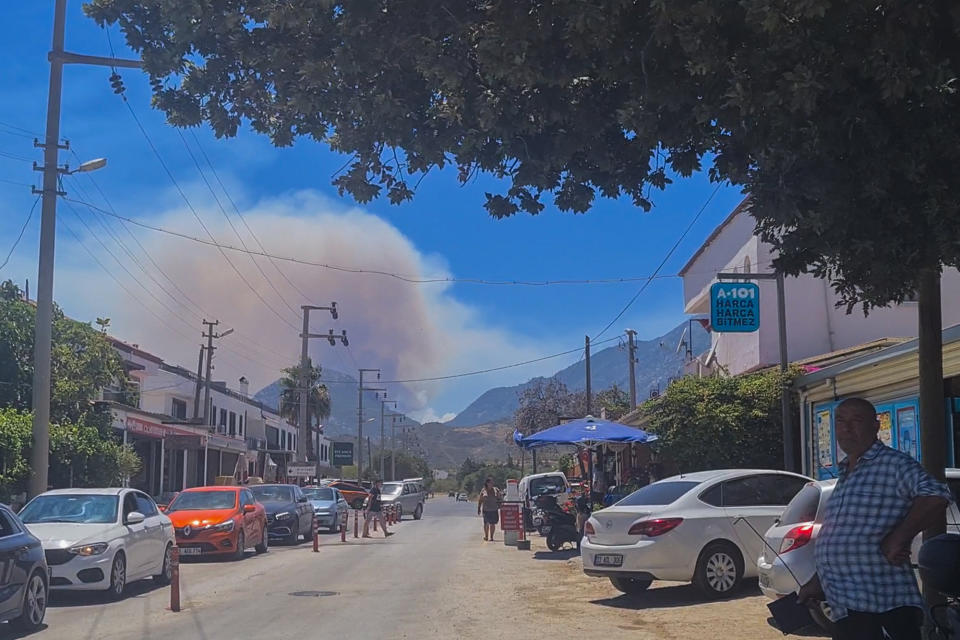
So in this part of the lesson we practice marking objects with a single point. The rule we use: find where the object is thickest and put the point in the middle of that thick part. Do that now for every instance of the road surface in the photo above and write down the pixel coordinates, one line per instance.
(434, 579)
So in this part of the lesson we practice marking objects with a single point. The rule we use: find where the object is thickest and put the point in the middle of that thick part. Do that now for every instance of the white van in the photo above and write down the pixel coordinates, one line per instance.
(539, 484)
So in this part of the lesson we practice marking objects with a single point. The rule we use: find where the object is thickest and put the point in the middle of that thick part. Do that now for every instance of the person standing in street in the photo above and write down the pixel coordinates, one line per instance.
(883, 498)
(489, 506)
(374, 511)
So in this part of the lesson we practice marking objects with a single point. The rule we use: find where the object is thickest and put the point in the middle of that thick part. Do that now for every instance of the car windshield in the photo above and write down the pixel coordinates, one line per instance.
(550, 484)
(658, 493)
(392, 489)
(803, 507)
(81, 509)
(203, 500)
(267, 493)
(318, 494)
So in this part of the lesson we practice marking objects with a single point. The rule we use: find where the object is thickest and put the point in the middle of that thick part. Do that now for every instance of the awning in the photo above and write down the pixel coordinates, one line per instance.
(226, 444)
(583, 432)
(155, 429)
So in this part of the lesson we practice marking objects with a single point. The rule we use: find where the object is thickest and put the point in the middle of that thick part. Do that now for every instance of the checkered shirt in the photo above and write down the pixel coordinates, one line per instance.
(865, 506)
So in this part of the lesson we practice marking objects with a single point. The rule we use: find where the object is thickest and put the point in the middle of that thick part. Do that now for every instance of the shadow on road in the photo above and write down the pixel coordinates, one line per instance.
(562, 554)
(681, 595)
(63, 599)
(8, 632)
(813, 631)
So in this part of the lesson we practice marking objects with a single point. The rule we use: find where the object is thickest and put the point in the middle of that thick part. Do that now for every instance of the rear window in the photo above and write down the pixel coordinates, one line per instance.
(803, 507)
(658, 493)
(548, 484)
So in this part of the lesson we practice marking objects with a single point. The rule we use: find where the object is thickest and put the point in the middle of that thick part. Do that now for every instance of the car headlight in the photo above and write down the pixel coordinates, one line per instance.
(224, 526)
(94, 549)
(283, 515)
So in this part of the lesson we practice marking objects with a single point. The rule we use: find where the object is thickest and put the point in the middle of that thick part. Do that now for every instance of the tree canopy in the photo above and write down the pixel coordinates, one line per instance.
(318, 398)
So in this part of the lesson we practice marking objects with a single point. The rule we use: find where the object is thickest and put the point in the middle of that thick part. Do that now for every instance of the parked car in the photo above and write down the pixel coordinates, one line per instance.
(165, 498)
(352, 492)
(289, 513)
(329, 506)
(407, 495)
(787, 558)
(218, 521)
(101, 539)
(23, 574)
(462, 497)
(688, 528)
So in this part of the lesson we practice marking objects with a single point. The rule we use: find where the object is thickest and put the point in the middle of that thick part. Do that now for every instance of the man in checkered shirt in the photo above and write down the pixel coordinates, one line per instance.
(882, 500)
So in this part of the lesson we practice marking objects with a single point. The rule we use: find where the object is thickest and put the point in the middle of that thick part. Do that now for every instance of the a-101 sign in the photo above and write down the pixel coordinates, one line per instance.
(735, 307)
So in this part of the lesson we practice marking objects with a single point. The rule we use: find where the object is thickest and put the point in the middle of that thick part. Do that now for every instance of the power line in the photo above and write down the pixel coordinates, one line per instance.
(27, 132)
(662, 262)
(13, 156)
(22, 230)
(13, 182)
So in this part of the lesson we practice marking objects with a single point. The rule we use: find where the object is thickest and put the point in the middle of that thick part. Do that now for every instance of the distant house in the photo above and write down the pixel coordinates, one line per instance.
(815, 325)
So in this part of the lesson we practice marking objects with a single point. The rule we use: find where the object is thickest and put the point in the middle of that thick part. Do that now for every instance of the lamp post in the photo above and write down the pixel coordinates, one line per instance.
(383, 403)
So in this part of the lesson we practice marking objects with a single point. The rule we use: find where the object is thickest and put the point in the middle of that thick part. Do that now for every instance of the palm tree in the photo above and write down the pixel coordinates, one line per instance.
(318, 399)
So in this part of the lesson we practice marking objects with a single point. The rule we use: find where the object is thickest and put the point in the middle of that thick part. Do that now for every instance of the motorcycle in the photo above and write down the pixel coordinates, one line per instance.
(558, 526)
(939, 564)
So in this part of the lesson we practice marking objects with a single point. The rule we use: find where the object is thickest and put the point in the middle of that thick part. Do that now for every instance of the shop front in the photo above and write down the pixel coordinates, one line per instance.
(169, 453)
(225, 456)
(889, 379)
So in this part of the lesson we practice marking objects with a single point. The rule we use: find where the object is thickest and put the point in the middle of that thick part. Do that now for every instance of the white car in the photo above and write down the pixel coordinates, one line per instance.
(101, 539)
(705, 527)
(787, 558)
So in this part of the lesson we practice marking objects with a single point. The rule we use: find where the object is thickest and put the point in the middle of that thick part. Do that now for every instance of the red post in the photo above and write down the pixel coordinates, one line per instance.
(390, 514)
(343, 526)
(356, 523)
(175, 579)
(316, 535)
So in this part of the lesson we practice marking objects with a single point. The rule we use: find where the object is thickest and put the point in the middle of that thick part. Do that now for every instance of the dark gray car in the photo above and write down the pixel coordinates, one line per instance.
(24, 581)
(289, 513)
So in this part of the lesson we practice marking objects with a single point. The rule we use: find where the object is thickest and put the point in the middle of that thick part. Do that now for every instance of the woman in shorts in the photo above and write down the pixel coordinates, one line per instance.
(489, 506)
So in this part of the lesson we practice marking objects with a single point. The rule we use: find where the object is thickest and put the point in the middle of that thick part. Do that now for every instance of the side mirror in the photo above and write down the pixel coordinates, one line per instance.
(249, 508)
(302, 499)
(135, 517)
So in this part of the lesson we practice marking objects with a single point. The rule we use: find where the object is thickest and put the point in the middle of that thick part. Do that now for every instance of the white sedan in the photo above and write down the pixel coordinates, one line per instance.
(101, 539)
(705, 527)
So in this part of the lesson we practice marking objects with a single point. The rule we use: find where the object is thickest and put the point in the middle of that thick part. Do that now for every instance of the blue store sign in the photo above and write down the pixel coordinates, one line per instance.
(735, 307)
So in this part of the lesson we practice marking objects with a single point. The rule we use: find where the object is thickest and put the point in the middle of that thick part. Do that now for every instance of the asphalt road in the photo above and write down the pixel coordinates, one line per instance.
(376, 588)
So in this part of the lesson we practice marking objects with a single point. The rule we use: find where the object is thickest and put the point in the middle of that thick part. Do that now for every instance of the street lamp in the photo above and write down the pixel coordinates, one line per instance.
(383, 404)
(86, 167)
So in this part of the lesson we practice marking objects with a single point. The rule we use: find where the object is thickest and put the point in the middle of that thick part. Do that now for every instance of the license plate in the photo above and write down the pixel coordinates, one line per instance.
(608, 560)
(190, 551)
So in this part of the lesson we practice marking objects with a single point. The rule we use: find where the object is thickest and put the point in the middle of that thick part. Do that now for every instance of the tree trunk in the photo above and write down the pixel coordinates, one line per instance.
(933, 430)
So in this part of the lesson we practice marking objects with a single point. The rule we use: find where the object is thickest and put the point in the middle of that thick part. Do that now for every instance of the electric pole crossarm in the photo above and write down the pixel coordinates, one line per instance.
(67, 57)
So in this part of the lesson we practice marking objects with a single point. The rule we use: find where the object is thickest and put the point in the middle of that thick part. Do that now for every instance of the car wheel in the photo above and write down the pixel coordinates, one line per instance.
(166, 570)
(34, 604)
(241, 546)
(118, 576)
(719, 569)
(399, 512)
(630, 586)
(418, 513)
(294, 537)
(821, 616)
(264, 545)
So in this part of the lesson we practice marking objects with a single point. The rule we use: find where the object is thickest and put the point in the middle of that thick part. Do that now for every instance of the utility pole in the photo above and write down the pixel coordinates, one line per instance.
(304, 429)
(209, 335)
(587, 358)
(196, 393)
(360, 418)
(383, 403)
(393, 447)
(632, 355)
(43, 331)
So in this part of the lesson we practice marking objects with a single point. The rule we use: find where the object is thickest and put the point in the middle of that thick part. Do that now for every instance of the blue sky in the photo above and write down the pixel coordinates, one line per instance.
(413, 331)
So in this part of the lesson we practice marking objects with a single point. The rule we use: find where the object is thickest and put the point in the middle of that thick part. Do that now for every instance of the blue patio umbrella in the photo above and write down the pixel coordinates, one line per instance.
(584, 432)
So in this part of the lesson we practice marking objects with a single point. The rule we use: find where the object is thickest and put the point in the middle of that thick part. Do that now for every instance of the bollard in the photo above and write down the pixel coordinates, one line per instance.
(343, 526)
(175, 579)
(375, 524)
(356, 523)
(388, 515)
(316, 535)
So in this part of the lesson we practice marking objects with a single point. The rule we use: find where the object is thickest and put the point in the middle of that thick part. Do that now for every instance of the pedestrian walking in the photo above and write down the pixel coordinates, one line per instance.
(374, 512)
(489, 506)
(883, 498)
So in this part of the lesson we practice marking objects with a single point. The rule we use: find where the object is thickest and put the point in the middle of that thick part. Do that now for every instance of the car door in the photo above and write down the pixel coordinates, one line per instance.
(251, 521)
(304, 511)
(154, 537)
(15, 563)
(752, 505)
(135, 544)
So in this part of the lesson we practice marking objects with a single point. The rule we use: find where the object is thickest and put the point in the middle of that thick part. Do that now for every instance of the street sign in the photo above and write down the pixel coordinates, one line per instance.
(341, 454)
(510, 517)
(301, 470)
(735, 307)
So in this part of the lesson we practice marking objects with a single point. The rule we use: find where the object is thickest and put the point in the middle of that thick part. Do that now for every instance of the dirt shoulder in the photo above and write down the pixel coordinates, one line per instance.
(540, 592)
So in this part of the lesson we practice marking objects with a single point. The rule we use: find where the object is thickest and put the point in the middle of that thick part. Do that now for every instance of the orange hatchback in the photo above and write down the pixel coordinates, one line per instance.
(218, 521)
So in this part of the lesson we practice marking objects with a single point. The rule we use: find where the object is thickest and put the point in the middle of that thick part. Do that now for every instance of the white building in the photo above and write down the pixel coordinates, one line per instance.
(815, 325)
(162, 416)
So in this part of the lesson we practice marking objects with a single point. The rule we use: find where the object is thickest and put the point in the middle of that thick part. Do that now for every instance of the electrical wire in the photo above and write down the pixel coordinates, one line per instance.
(13, 182)
(662, 262)
(21, 130)
(22, 230)
(13, 156)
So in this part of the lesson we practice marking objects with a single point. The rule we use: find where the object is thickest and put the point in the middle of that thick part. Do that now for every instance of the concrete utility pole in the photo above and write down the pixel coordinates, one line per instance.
(43, 331)
(587, 358)
(209, 335)
(393, 446)
(360, 418)
(383, 403)
(632, 355)
(304, 428)
(196, 393)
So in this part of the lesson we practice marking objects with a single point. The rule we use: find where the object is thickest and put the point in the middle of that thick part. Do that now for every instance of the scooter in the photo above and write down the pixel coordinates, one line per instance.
(559, 526)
